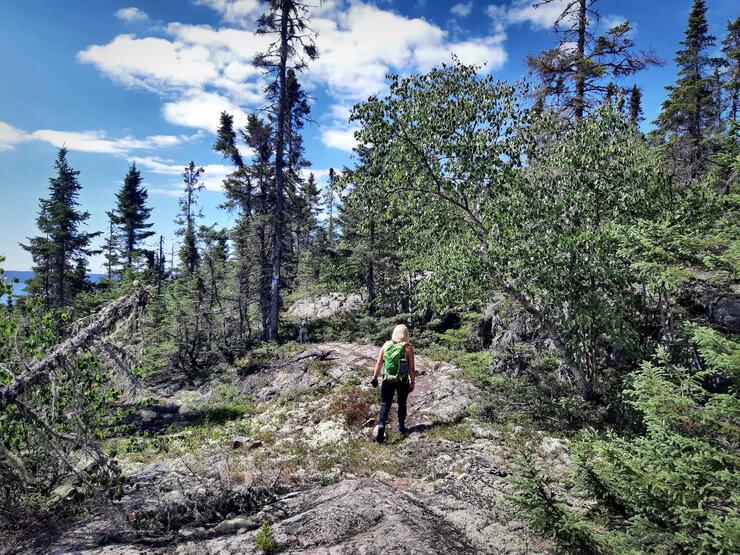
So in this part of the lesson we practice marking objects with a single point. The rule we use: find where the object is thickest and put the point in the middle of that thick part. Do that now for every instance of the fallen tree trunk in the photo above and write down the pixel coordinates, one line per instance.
(103, 323)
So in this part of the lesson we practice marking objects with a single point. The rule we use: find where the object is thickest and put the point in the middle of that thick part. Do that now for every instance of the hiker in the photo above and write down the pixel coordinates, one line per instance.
(303, 331)
(396, 359)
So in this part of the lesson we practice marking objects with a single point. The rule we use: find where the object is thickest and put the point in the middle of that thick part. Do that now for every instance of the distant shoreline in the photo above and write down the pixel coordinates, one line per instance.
(19, 288)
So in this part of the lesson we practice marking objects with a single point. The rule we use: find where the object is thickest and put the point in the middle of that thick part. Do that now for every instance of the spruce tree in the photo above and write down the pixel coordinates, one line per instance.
(688, 113)
(60, 252)
(579, 73)
(292, 47)
(731, 50)
(111, 248)
(131, 216)
(329, 195)
(186, 219)
(258, 137)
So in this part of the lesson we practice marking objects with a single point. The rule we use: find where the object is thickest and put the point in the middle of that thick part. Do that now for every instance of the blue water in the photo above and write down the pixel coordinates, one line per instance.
(22, 276)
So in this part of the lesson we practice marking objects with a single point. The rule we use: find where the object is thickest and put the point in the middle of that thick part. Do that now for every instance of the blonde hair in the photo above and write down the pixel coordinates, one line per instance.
(400, 333)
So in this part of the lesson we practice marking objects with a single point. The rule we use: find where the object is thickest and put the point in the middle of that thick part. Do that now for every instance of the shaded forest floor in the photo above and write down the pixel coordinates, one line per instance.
(288, 443)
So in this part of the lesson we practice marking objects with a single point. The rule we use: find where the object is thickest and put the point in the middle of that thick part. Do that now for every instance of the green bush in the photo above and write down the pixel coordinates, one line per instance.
(673, 489)
(265, 539)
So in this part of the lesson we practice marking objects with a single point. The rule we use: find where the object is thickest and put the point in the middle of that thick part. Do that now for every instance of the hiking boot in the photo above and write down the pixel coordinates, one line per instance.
(379, 433)
(403, 430)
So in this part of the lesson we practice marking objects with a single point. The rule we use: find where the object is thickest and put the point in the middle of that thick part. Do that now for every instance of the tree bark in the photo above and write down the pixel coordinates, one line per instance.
(277, 234)
(104, 323)
(580, 77)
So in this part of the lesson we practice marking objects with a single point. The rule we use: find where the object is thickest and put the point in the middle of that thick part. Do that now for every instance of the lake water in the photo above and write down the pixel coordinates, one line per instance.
(22, 276)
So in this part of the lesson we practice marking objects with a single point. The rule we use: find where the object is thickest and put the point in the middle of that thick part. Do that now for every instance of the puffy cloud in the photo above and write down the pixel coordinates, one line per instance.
(11, 136)
(359, 46)
(201, 110)
(462, 9)
(152, 63)
(241, 12)
(543, 16)
(132, 15)
(200, 70)
(341, 138)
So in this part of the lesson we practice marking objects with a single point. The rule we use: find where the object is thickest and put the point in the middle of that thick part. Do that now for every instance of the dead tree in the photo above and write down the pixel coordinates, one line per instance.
(103, 324)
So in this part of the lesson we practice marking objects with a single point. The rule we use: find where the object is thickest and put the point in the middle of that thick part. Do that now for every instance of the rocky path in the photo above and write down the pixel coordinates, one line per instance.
(310, 471)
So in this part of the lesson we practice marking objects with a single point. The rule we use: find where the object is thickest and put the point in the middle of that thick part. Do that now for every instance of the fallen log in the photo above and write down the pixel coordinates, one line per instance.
(102, 324)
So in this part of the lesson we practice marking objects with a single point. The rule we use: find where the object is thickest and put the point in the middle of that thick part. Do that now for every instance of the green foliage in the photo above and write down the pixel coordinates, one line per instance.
(493, 205)
(672, 489)
(51, 435)
(60, 252)
(265, 539)
(130, 216)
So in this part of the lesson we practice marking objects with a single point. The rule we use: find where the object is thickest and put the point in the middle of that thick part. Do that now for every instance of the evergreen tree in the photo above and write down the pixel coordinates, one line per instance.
(186, 220)
(688, 113)
(238, 190)
(636, 115)
(731, 50)
(580, 71)
(287, 19)
(258, 136)
(60, 252)
(312, 198)
(330, 195)
(131, 216)
(111, 248)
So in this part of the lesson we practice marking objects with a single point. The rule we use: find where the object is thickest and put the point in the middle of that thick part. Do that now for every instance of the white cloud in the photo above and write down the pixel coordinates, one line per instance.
(11, 136)
(241, 12)
(359, 46)
(543, 16)
(152, 63)
(131, 15)
(90, 141)
(341, 138)
(201, 110)
(462, 9)
(200, 70)
(213, 176)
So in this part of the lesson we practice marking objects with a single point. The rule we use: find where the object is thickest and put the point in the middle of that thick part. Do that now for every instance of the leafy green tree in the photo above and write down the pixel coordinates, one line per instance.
(579, 73)
(689, 113)
(494, 206)
(186, 220)
(60, 252)
(131, 216)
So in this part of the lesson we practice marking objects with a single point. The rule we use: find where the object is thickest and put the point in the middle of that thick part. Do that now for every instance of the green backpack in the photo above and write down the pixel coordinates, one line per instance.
(394, 362)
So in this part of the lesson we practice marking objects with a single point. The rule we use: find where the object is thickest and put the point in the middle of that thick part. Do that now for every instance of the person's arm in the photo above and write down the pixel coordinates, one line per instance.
(379, 363)
(412, 366)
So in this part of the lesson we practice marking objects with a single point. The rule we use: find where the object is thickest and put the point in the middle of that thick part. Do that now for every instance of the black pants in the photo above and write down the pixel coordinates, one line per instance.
(387, 390)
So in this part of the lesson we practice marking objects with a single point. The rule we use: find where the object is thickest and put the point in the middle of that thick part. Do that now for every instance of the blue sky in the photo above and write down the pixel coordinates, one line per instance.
(117, 81)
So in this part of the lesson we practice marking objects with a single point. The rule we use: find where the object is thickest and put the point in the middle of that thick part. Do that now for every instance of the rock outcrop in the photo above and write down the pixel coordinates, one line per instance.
(306, 466)
(324, 306)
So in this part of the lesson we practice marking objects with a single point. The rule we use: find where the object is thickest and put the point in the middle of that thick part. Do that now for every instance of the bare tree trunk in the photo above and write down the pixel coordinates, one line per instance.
(371, 270)
(277, 233)
(103, 324)
(580, 77)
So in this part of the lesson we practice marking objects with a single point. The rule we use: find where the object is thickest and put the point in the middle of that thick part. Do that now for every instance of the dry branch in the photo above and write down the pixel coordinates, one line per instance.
(103, 324)
(319, 354)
